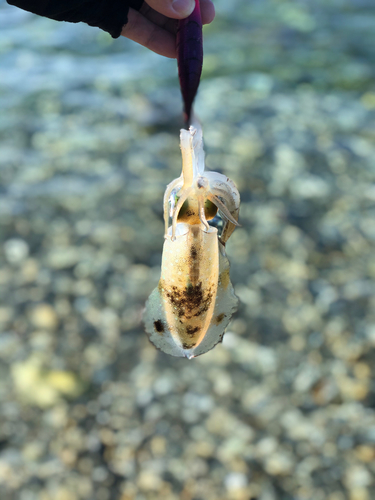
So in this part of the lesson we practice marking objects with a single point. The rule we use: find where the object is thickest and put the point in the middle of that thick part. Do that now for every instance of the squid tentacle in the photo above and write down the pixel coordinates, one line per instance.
(202, 215)
(183, 197)
(167, 195)
(223, 209)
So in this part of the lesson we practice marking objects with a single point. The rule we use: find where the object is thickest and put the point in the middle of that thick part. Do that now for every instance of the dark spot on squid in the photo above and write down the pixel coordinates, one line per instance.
(219, 318)
(193, 253)
(204, 308)
(188, 346)
(191, 330)
(190, 299)
(224, 278)
(159, 326)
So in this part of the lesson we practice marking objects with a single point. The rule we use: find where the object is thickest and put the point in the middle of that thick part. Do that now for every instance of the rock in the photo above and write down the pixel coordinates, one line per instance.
(357, 476)
(42, 387)
(148, 481)
(310, 186)
(6, 314)
(16, 250)
(62, 381)
(30, 270)
(44, 316)
(63, 258)
(64, 494)
(279, 464)
(365, 453)
(235, 481)
(359, 494)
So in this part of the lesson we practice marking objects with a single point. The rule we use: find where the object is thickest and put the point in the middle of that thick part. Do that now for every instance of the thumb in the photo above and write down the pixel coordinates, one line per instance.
(176, 9)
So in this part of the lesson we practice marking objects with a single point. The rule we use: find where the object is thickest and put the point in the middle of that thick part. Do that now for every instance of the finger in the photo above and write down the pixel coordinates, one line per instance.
(141, 30)
(155, 17)
(207, 11)
(162, 10)
(175, 9)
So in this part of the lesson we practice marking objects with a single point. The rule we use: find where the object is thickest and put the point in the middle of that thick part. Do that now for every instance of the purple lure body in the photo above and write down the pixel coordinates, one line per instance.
(190, 57)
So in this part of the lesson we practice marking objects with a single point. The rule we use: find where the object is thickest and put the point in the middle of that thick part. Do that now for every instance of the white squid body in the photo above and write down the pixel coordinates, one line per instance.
(186, 315)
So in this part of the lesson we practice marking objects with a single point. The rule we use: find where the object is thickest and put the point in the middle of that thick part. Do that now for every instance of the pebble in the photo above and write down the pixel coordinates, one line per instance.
(309, 186)
(44, 316)
(42, 387)
(63, 258)
(358, 477)
(64, 494)
(279, 464)
(16, 250)
(235, 481)
(148, 481)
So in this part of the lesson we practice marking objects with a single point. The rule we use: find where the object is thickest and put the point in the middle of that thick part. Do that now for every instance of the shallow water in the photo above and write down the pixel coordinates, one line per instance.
(283, 409)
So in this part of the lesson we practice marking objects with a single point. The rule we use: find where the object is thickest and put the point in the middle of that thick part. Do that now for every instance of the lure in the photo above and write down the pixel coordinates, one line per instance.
(190, 57)
(186, 315)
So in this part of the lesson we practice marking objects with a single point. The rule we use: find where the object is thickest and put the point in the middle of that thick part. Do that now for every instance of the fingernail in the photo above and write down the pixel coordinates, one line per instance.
(183, 7)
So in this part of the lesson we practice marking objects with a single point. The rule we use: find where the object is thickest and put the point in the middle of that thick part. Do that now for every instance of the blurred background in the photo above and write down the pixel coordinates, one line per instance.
(283, 409)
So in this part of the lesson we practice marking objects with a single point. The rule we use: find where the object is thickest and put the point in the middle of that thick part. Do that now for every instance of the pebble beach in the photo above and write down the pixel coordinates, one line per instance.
(284, 407)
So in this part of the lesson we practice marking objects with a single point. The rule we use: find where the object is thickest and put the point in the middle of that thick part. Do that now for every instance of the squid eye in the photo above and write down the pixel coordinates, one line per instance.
(210, 210)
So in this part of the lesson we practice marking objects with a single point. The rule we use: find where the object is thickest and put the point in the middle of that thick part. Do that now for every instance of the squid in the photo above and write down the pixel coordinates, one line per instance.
(187, 313)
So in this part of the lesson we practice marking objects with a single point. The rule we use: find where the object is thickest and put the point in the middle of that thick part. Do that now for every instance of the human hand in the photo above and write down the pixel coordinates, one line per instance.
(154, 26)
